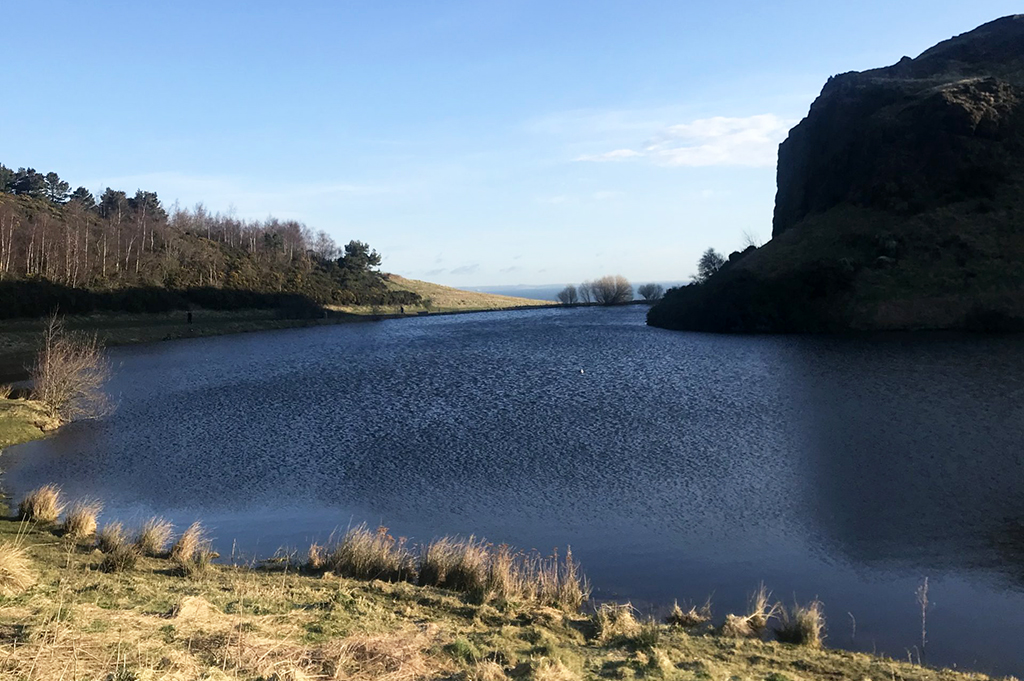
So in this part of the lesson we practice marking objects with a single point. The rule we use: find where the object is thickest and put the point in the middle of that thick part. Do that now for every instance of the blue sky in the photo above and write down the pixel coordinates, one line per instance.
(472, 143)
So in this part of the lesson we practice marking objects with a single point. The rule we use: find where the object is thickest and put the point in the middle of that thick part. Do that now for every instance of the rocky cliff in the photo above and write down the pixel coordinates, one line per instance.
(899, 203)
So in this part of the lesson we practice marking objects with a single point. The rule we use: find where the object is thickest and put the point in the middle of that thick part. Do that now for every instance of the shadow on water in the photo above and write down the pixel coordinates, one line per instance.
(677, 465)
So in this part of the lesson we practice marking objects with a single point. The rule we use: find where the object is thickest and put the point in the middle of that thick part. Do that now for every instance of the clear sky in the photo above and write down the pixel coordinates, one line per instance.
(472, 143)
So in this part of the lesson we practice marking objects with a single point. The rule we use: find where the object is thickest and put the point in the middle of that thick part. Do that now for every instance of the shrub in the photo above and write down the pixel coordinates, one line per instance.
(41, 505)
(69, 374)
(803, 625)
(80, 521)
(15, 570)
(112, 537)
(154, 536)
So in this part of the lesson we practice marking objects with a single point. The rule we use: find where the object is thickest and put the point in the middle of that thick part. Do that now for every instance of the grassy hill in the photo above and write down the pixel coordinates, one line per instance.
(438, 298)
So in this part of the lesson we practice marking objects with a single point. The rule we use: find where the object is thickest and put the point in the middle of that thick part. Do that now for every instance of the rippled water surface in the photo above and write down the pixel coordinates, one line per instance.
(676, 465)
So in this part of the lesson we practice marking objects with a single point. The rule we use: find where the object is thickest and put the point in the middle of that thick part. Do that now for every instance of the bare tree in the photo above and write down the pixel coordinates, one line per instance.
(651, 291)
(69, 374)
(567, 296)
(612, 290)
(750, 238)
(585, 293)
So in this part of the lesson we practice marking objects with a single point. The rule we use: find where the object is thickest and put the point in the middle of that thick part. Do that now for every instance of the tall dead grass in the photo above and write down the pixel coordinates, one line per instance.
(111, 537)
(192, 554)
(371, 554)
(15, 569)
(154, 536)
(802, 625)
(753, 624)
(498, 573)
(42, 505)
(80, 522)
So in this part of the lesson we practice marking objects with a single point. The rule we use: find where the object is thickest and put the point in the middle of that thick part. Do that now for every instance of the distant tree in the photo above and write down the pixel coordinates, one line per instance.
(324, 246)
(708, 264)
(57, 190)
(568, 296)
(84, 198)
(358, 257)
(751, 238)
(612, 290)
(113, 204)
(28, 182)
(651, 291)
(585, 293)
(6, 180)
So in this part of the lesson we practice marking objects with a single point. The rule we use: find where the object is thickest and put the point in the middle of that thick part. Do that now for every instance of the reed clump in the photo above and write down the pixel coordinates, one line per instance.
(371, 554)
(80, 522)
(192, 554)
(42, 505)
(154, 536)
(802, 625)
(755, 622)
(16, 573)
(616, 623)
(498, 573)
(112, 537)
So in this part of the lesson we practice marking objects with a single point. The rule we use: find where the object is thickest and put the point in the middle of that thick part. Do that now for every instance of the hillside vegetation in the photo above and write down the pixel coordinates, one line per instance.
(118, 253)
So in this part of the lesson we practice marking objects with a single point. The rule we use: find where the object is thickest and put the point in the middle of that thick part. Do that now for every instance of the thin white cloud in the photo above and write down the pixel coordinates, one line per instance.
(617, 155)
(752, 141)
(466, 269)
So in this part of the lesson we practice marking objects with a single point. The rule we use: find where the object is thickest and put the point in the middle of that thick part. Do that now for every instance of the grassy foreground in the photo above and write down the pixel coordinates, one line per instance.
(275, 621)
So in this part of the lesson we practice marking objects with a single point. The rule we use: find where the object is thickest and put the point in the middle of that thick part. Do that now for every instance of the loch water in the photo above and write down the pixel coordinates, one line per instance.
(676, 465)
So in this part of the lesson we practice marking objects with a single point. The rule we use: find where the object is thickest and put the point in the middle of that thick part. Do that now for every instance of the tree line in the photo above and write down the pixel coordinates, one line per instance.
(608, 290)
(50, 234)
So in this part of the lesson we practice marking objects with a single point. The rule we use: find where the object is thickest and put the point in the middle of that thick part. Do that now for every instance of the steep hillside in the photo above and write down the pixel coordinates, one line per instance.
(899, 203)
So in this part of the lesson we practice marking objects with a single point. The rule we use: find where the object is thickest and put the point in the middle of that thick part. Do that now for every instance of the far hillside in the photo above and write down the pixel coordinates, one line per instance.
(438, 298)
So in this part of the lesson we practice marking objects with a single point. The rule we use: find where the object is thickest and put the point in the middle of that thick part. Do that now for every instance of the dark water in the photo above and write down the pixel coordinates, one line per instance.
(677, 465)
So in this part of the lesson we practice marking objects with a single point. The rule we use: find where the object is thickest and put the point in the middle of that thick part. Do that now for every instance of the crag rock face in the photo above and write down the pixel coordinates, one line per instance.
(947, 126)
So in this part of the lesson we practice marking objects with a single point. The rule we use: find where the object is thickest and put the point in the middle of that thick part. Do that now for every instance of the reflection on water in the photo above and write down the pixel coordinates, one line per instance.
(676, 464)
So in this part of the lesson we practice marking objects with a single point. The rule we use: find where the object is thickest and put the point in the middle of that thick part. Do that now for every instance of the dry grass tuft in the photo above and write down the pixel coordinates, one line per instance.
(154, 536)
(80, 521)
(316, 557)
(42, 505)
(121, 558)
(15, 569)
(112, 537)
(366, 554)
(616, 623)
(689, 619)
(755, 622)
(189, 543)
(499, 573)
(192, 553)
(488, 670)
(5, 391)
(803, 625)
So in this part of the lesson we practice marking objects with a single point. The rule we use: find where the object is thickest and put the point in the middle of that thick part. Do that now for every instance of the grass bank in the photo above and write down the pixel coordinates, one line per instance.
(22, 421)
(66, 617)
(439, 298)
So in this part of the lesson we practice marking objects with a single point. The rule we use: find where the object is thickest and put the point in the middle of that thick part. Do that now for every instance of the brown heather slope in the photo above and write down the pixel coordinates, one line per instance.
(900, 203)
